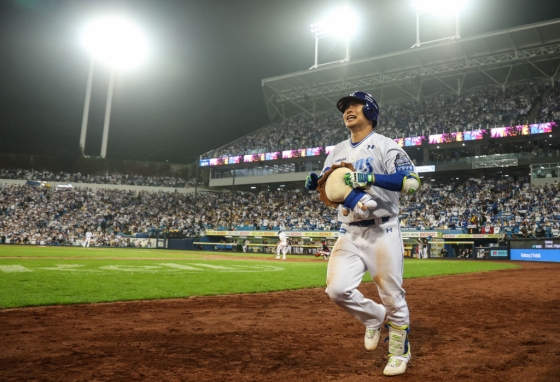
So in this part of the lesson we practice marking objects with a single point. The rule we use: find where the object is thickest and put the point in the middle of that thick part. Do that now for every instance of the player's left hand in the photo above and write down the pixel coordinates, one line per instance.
(359, 179)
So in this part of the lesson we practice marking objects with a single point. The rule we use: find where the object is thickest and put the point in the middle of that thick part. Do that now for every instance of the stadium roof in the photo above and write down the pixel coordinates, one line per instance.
(498, 58)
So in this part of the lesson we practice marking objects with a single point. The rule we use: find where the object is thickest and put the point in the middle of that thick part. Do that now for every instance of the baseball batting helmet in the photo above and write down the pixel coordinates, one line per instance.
(370, 109)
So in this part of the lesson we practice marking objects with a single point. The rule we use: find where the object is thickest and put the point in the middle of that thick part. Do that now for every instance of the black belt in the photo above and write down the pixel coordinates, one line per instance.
(367, 223)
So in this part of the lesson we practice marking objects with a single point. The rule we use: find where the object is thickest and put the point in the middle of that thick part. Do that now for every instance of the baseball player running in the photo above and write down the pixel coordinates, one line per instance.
(325, 251)
(370, 237)
(88, 239)
(282, 245)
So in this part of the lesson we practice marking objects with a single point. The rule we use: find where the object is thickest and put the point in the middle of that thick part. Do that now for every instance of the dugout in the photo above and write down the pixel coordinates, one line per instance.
(474, 250)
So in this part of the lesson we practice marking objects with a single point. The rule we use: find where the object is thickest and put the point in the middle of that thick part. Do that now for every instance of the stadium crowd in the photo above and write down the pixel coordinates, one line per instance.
(62, 216)
(474, 109)
(550, 104)
(123, 179)
(464, 154)
(507, 205)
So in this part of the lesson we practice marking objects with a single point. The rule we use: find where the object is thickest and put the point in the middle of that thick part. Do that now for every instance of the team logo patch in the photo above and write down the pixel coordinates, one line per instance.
(387, 230)
(403, 163)
(343, 230)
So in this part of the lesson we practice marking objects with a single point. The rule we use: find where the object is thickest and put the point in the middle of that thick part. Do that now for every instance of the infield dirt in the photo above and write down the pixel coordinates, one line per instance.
(494, 326)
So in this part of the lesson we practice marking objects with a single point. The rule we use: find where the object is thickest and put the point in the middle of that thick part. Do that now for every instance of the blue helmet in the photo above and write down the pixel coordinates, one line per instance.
(371, 109)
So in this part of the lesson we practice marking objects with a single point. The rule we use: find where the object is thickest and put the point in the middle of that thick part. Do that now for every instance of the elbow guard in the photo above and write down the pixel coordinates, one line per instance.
(411, 184)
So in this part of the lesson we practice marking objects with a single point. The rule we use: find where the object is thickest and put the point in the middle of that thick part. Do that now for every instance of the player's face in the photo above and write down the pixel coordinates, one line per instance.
(354, 115)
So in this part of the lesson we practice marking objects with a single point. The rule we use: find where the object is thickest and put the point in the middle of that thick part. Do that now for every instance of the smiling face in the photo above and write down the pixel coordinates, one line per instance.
(354, 116)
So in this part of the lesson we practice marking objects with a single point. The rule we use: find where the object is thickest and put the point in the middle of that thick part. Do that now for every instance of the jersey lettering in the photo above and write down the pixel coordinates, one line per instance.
(364, 165)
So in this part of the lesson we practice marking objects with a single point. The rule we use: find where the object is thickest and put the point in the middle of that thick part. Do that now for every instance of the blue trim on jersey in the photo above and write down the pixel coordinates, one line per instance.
(354, 145)
(353, 198)
(324, 171)
(391, 182)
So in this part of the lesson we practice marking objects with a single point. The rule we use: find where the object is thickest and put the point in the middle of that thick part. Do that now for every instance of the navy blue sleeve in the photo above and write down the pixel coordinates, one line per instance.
(391, 182)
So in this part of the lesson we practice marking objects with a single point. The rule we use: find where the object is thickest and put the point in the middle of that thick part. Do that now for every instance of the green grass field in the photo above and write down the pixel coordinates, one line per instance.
(32, 276)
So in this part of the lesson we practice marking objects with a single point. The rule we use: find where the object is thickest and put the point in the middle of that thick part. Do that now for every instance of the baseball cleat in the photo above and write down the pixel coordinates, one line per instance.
(395, 366)
(371, 338)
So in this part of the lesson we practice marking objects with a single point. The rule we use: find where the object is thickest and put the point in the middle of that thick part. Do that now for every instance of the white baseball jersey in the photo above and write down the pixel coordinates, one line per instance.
(282, 237)
(89, 235)
(376, 154)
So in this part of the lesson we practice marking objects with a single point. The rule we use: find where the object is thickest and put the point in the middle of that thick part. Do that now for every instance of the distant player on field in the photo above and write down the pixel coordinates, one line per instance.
(282, 245)
(88, 239)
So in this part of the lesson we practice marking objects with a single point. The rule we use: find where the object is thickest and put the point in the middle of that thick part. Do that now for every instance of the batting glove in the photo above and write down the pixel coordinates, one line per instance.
(311, 182)
(359, 179)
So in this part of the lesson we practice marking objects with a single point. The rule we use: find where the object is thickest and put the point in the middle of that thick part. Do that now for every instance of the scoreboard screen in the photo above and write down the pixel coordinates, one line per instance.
(544, 249)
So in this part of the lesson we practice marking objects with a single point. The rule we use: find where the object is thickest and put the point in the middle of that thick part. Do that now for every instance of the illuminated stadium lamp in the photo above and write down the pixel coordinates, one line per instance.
(442, 7)
(340, 24)
(118, 43)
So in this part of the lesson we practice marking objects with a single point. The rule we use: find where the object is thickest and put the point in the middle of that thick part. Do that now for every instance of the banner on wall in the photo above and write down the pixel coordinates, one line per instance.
(273, 233)
(406, 234)
(332, 234)
(472, 236)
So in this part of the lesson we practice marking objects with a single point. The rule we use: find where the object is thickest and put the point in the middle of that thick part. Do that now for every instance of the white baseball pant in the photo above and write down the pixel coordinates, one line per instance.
(378, 249)
(282, 246)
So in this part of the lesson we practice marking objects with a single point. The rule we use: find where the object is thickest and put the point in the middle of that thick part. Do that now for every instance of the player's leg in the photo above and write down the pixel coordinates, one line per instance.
(386, 268)
(344, 274)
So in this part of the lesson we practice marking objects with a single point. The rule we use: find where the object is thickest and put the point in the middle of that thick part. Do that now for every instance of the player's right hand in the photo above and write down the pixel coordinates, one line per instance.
(359, 179)
(311, 182)
(362, 207)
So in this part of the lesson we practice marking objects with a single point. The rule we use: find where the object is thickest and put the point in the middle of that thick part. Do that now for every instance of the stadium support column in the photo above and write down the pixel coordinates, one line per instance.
(86, 106)
(196, 193)
(107, 114)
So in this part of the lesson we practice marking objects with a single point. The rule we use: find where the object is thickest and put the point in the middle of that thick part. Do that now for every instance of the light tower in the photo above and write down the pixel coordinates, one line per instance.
(442, 7)
(338, 25)
(118, 43)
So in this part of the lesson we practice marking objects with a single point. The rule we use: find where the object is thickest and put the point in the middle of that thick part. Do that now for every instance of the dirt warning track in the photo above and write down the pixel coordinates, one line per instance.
(493, 326)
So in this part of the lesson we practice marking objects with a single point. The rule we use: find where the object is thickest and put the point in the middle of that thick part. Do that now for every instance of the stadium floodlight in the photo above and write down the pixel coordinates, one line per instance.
(116, 41)
(341, 24)
(119, 43)
(441, 7)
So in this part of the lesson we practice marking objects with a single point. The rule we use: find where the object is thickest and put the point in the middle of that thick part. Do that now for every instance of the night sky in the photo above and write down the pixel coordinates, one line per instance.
(201, 86)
